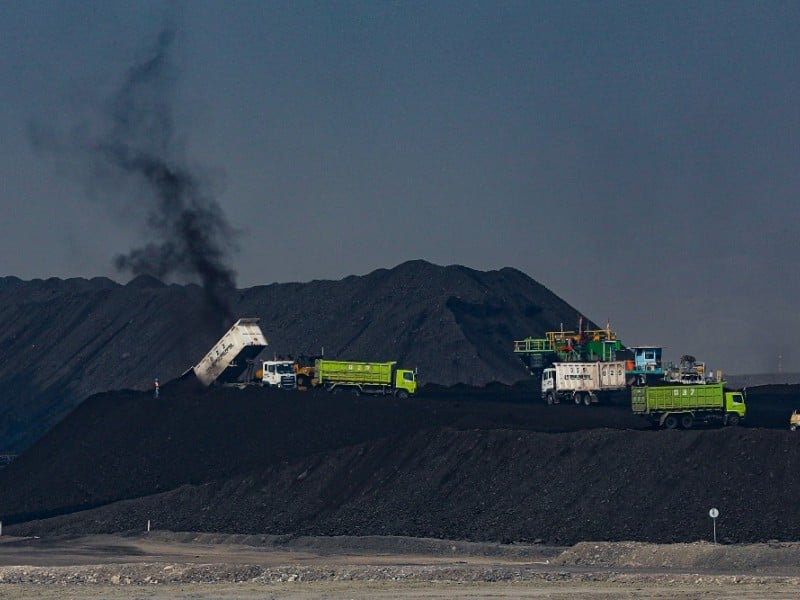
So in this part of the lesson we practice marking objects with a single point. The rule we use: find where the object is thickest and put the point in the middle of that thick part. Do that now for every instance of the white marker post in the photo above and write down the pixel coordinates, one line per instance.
(148, 525)
(714, 513)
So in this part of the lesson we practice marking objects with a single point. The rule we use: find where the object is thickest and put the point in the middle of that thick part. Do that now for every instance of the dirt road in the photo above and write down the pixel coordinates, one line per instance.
(204, 566)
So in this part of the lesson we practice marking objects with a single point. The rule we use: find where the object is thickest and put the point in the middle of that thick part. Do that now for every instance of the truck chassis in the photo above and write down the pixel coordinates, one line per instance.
(584, 397)
(359, 389)
(687, 419)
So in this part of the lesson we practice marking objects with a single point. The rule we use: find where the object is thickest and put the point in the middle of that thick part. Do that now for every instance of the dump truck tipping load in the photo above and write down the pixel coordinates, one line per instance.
(227, 359)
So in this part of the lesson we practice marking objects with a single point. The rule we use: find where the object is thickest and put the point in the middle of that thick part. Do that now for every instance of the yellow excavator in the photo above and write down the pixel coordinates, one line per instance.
(794, 420)
(306, 371)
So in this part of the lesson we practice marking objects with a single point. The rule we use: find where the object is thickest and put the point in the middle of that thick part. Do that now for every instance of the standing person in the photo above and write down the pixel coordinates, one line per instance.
(156, 388)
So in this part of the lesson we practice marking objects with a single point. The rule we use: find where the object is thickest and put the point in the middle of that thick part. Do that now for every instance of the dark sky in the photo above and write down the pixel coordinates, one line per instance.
(639, 159)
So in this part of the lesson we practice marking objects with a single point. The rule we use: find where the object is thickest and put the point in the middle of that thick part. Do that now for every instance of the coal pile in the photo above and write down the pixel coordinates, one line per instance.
(62, 341)
(458, 462)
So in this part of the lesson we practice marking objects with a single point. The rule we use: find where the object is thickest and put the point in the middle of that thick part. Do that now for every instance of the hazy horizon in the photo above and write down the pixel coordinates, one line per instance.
(637, 159)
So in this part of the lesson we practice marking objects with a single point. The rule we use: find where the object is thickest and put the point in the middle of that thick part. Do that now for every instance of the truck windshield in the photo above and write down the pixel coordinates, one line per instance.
(285, 369)
(408, 376)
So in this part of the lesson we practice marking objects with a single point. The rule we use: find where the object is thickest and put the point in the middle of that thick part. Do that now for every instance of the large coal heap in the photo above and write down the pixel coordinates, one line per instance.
(64, 340)
(472, 458)
(457, 462)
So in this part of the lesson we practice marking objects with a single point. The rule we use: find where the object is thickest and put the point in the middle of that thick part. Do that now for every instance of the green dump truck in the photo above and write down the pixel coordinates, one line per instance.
(365, 377)
(671, 406)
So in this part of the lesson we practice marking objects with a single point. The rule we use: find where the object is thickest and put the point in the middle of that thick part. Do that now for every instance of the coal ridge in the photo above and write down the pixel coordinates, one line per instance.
(62, 341)
(482, 464)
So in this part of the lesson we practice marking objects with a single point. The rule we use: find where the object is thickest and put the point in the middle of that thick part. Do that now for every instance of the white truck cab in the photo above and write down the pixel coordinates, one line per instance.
(279, 373)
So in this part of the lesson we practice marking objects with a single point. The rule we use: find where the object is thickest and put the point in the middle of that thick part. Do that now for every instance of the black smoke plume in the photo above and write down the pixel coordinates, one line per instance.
(191, 231)
(135, 156)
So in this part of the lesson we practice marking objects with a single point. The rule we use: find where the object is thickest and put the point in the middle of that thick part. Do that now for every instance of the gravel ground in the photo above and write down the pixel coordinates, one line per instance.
(199, 566)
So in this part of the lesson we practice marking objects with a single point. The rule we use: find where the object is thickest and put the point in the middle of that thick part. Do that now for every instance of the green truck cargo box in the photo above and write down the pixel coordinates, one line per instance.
(366, 377)
(672, 405)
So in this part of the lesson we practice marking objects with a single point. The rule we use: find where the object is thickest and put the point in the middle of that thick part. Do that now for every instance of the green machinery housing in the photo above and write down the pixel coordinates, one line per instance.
(643, 362)
(569, 346)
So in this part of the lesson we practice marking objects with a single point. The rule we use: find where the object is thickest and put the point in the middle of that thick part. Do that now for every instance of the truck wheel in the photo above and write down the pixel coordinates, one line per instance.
(733, 420)
(576, 398)
(793, 428)
(402, 394)
(670, 422)
(687, 421)
(551, 398)
(587, 399)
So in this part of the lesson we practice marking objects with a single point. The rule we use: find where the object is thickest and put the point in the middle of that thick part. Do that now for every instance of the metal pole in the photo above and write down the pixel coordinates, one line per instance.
(714, 513)
(715, 530)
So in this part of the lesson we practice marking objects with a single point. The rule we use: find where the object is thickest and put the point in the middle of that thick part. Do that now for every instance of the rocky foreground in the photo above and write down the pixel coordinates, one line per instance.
(186, 565)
